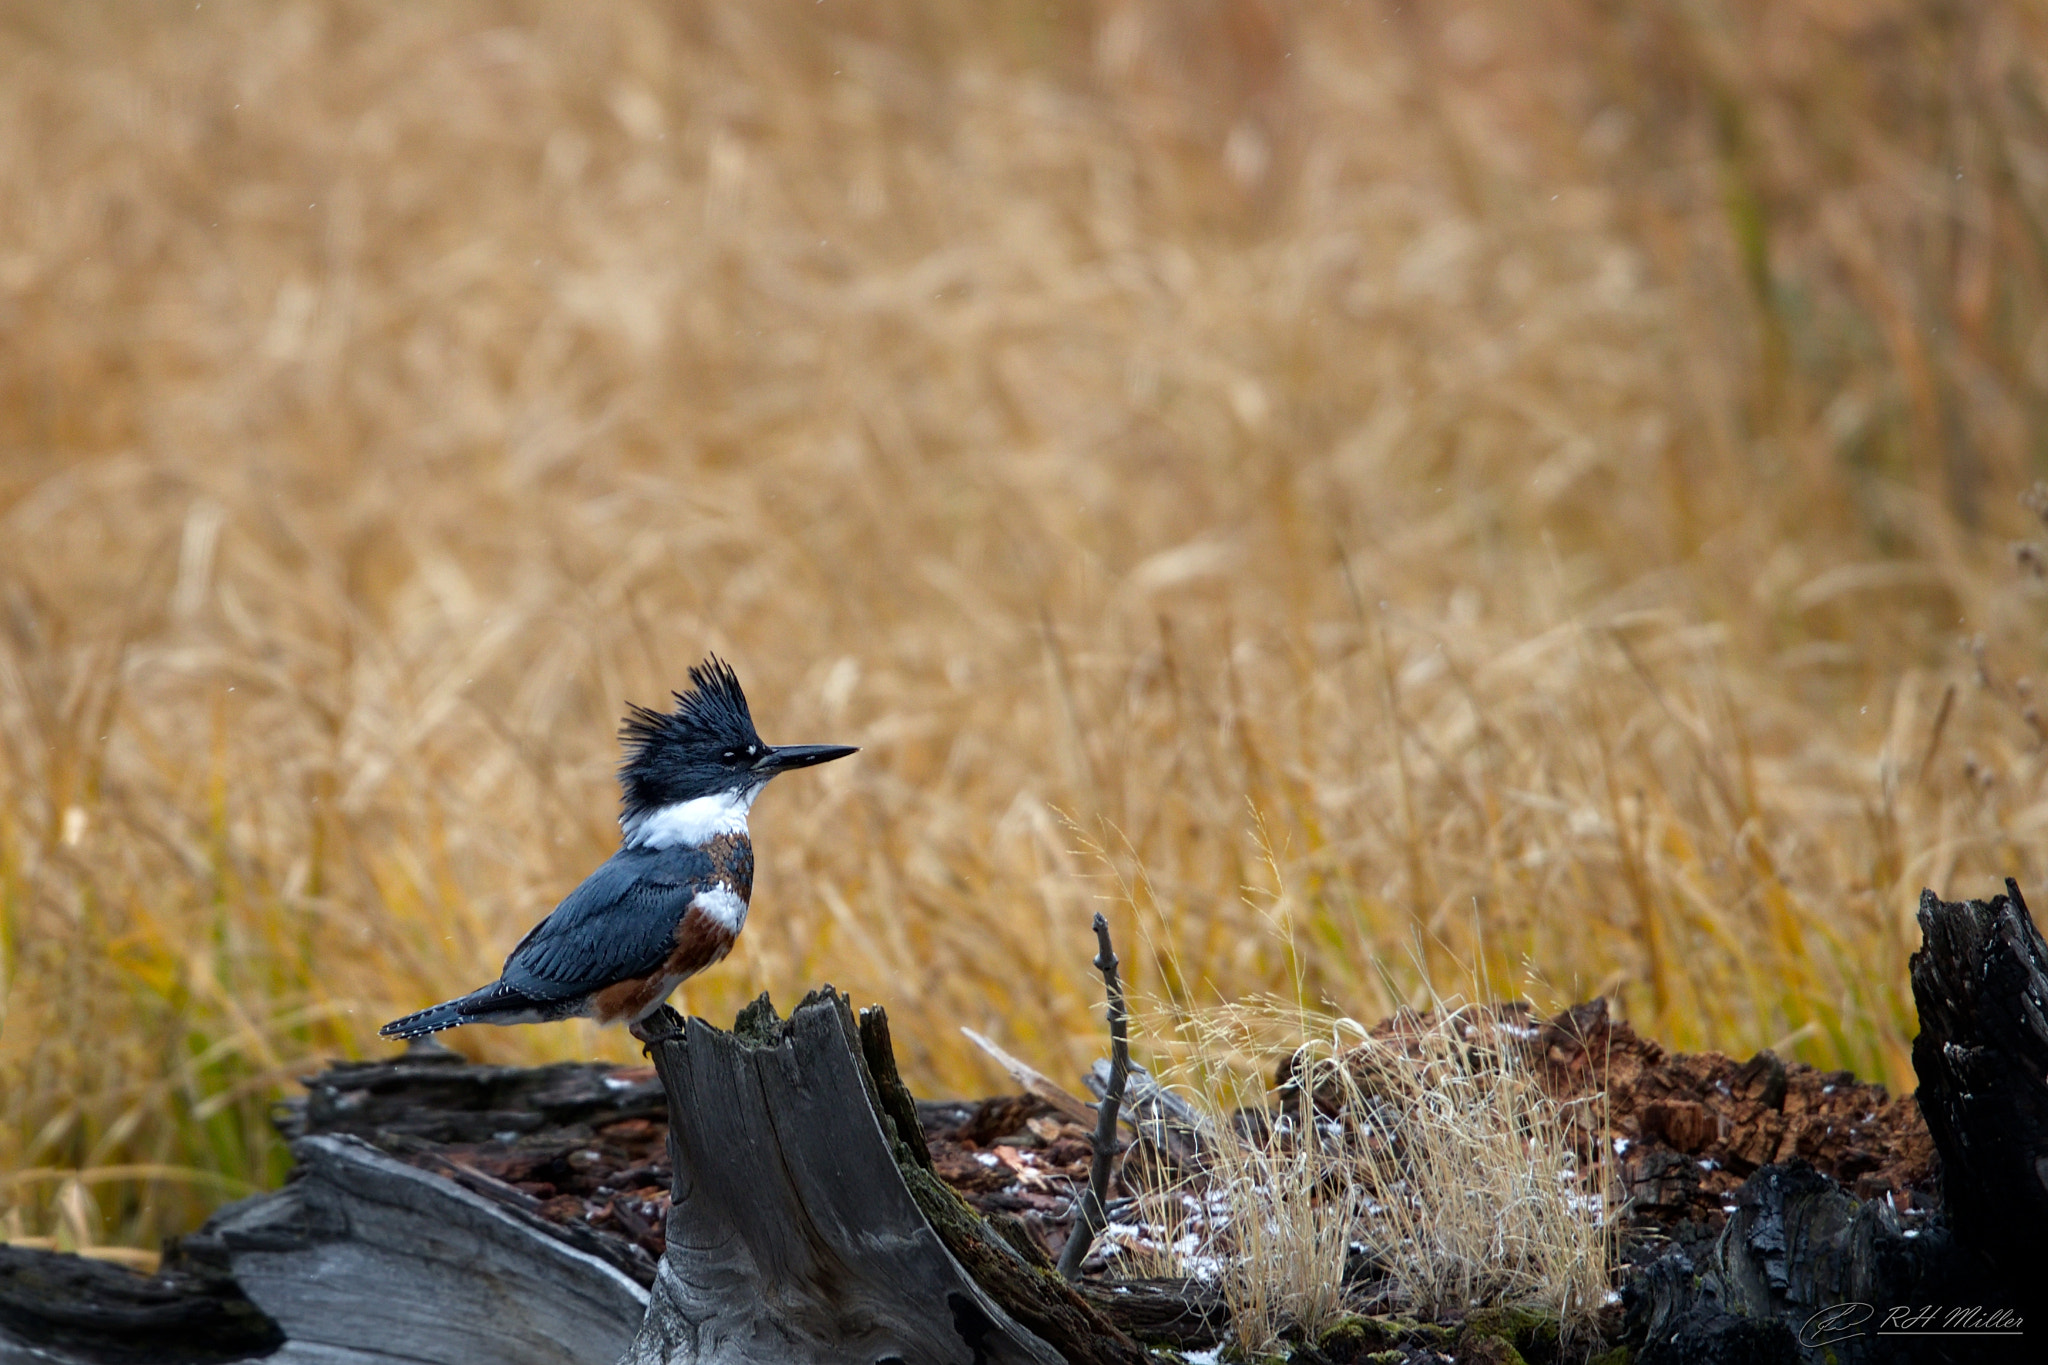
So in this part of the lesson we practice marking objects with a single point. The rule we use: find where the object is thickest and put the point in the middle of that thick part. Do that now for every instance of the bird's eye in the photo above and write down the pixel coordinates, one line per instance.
(728, 756)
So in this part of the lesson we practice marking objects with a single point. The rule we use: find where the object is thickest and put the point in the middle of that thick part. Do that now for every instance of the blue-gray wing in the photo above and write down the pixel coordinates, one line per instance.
(619, 925)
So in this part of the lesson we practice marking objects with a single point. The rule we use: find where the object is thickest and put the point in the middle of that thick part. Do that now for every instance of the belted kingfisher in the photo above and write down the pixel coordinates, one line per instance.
(671, 901)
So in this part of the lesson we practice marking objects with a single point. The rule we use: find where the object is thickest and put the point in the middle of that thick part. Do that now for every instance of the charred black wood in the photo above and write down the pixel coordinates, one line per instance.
(433, 1095)
(1804, 1271)
(59, 1308)
(1980, 981)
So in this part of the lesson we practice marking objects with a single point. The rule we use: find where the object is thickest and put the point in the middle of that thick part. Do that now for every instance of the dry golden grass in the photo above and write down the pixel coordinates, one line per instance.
(1432, 1162)
(1502, 482)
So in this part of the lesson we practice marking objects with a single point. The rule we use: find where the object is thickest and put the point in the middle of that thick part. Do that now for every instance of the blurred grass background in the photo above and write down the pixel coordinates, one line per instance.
(1513, 494)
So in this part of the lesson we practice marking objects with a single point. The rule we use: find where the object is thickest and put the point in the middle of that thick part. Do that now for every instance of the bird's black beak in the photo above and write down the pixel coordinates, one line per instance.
(780, 759)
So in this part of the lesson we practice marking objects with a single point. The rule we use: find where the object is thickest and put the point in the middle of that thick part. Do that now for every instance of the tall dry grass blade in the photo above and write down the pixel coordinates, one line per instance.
(1424, 1170)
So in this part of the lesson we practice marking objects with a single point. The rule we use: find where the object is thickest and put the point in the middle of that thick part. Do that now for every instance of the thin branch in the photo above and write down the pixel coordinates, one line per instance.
(1089, 1222)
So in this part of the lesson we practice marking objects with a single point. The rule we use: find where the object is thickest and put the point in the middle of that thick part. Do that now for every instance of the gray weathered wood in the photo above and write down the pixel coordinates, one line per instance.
(793, 1238)
(363, 1260)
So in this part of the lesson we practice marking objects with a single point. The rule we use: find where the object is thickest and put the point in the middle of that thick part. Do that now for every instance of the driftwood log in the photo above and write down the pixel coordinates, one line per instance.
(360, 1260)
(805, 1228)
(365, 1259)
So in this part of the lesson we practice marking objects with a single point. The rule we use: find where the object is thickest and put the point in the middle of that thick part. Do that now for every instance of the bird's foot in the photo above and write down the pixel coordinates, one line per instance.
(657, 1027)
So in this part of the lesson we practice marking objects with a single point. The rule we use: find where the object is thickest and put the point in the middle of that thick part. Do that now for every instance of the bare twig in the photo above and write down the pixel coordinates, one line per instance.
(1091, 1218)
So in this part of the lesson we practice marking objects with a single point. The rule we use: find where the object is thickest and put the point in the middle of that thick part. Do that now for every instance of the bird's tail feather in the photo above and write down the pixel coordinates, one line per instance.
(445, 1015)
(496, 1003)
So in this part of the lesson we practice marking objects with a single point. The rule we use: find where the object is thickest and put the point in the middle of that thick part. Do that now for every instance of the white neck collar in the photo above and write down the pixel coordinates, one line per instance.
(692, 823)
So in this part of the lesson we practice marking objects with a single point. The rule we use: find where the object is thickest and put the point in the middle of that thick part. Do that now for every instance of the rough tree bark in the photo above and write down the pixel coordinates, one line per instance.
(795, 1234)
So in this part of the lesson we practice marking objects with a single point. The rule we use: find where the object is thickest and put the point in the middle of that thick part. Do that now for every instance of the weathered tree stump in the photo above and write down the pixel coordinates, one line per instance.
(1980, 981)
(795, 1233)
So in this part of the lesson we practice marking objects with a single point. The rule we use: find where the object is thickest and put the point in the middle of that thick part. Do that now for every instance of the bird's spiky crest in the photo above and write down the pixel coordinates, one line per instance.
(713, 714)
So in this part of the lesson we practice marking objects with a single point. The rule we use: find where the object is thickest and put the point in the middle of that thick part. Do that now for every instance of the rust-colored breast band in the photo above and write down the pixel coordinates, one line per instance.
(732, 862)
